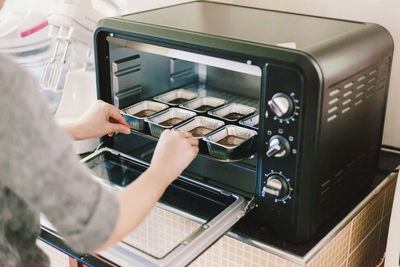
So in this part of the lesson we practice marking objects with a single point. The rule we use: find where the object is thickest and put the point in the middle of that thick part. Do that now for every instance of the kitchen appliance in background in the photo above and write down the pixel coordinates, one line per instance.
(23, 36)
(313, 147)
(70, 68)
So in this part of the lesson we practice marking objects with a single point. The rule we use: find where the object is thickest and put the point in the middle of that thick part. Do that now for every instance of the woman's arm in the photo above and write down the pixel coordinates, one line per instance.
(174, 151)
(38, 165)
(101, 119)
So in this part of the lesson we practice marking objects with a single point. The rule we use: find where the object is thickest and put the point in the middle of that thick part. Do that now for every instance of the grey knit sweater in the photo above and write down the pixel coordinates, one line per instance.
(40, 173)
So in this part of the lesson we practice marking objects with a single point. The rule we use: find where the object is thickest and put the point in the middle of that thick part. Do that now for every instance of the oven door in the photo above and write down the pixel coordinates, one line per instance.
(188, 219)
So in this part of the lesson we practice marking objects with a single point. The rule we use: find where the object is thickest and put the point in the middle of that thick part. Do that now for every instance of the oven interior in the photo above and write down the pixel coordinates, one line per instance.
(140, 71)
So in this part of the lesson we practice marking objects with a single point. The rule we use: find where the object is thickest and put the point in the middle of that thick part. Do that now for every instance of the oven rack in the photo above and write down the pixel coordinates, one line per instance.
(204, 90)
(200, 154)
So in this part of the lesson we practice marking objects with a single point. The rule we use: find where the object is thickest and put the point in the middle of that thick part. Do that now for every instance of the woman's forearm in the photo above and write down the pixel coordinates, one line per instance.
(73, 130)
(136, 201)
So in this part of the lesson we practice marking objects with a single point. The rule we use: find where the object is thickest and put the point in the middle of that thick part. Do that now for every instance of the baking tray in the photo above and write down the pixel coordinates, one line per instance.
(231, 142)
(232, 112)
(167, 119)
(200, 126)
(135, 115)
(251, 122)
(176, 97)
(203, 104)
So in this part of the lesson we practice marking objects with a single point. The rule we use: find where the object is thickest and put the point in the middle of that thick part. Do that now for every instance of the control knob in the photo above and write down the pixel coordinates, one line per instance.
(278, 147)
(277, 186)
(281, 104)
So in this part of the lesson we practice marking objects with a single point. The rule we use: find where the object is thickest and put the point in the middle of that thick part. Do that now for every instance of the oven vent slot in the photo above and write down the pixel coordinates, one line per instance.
(326, 195)
(337, 184)
(126, 73)
(352, 92)
(325, 187)
(126, 80)
(181, 73)
(126, 98)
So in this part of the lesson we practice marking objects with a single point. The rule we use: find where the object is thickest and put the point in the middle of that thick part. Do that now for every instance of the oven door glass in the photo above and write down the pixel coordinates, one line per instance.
(189, 217)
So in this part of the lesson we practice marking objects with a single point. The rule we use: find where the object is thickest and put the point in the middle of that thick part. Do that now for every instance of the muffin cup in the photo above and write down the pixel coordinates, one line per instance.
(200, 126)
(135, 115)
(203, 104)
(167, 119)
(251, 122)
(176, 97)
(231, 142)
(232, 112)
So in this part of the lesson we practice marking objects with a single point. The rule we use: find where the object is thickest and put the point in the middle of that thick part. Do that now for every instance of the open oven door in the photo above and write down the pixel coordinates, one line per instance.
(188, 219)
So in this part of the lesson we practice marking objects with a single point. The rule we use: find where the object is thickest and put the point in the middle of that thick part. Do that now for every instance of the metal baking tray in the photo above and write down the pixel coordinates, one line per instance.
(135, 114)
(200, 126)
(232, 112)
(203, 104)
(231, 142)
(176, 97)
(167, 119)
(251, 122)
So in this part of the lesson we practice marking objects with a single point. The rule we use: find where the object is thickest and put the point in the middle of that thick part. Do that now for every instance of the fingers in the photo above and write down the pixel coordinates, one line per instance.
(114, 113)
(189, 137)
(193, 141)
(186, 134)
(120, 128)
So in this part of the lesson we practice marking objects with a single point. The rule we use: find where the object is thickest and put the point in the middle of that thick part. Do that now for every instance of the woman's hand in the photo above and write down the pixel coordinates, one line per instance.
(101, 119)
(174, 152)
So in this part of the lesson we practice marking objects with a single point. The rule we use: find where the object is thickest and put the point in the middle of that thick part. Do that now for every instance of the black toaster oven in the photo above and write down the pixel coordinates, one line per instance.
(304, 97)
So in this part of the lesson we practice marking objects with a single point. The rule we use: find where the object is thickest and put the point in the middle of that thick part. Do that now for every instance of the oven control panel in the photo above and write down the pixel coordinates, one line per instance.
(280, 136)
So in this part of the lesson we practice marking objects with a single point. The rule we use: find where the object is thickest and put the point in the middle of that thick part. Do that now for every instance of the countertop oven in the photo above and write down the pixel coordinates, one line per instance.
(304, 97)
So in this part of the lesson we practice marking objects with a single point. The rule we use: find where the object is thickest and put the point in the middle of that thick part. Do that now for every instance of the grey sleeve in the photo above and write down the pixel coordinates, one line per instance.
(37, 162)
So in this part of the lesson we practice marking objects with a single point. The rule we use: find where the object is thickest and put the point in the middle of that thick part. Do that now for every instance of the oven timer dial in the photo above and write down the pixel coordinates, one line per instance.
(282, 105)
(278, 186)
(278, 147)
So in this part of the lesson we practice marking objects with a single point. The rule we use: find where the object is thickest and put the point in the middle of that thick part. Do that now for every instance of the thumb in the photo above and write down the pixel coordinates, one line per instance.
(121, 128)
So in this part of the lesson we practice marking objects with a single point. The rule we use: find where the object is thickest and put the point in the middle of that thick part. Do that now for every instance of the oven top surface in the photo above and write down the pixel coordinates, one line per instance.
(247, 24)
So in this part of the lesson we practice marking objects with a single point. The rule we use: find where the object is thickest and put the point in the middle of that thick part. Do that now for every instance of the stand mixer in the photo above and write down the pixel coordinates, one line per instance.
(70, 68)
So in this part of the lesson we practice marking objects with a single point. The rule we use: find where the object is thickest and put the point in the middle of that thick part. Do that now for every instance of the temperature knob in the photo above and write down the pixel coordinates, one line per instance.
(282, 105)
(278, 147)
(277, 186)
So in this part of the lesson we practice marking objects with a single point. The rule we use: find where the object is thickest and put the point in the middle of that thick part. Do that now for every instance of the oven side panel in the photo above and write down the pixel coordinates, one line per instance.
(352, 115)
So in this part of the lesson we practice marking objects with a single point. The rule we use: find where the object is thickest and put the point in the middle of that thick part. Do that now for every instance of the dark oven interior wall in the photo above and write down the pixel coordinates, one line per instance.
(240, 84)
(137, 75)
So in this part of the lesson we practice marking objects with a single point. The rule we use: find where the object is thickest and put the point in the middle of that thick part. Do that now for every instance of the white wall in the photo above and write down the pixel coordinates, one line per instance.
(15, 5)
(132, 5)
(383, 12)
